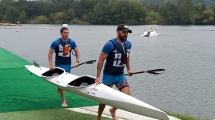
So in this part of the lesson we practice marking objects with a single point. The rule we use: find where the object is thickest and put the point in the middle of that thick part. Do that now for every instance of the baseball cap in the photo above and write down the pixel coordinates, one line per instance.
(123, 27)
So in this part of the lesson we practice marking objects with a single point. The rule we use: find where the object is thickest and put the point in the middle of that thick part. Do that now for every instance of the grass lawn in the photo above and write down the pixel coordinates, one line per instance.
(184, 116)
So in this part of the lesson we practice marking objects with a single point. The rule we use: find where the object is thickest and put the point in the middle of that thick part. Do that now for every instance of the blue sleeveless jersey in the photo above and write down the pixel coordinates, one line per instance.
(59, 47)
(113, 64)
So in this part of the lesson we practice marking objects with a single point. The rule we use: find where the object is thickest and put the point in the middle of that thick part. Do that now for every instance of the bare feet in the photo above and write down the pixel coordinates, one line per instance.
(99, 118)
(113, 113)
(63, 100)
(64, 104)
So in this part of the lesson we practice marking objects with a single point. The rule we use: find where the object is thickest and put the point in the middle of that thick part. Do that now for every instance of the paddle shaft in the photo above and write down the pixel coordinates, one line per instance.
(87, 62)
(137, 72)
(154, 72)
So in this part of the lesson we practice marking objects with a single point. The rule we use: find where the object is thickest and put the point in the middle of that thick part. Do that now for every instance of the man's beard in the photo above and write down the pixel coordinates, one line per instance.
(65, 37)
(123, 38)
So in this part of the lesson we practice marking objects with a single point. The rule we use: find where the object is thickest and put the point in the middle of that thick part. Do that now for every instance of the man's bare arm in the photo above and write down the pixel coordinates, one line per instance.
(51, 51)
(100, 63)
(77, 54)
(128, 65)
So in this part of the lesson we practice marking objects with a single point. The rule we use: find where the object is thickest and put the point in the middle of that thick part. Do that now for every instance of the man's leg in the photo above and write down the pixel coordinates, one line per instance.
(67, 68)
(63, 100)
(107, 80)
(100, 111)
(123, 86)
(125, 90)
(113, 113)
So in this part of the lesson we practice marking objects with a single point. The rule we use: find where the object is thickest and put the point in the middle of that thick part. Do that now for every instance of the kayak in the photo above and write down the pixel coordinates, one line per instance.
(85, 86)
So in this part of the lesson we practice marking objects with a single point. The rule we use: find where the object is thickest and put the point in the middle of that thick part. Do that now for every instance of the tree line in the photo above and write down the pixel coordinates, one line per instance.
(133, 12)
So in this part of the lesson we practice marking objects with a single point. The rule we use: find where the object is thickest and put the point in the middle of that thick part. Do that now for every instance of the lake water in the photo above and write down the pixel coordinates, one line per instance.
(186, 52)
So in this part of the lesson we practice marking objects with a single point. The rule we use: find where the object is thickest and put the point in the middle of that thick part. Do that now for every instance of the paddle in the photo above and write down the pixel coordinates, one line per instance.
(87, 62)
(154, 72)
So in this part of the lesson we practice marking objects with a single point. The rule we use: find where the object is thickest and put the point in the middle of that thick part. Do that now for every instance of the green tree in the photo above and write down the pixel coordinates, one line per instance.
(59, 6)
(153, 18)
(118, 11)
(71, 13)
(213, 8)
(23, 17)
(83, 7)
(22, 5)
(58, 18)
(199, 7)
(177, 12)
(41, 19)
(1, 13)
(184, 11)
(168, 12)
(98, 15)
(208, 16)
(11, 14)
(7, 2)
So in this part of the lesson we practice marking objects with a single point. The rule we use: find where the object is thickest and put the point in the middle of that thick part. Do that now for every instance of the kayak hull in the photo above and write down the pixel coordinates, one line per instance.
(84, 86)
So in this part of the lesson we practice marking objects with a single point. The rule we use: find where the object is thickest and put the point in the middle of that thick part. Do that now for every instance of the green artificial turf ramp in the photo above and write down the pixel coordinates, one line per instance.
(19, 90)
(50, 114)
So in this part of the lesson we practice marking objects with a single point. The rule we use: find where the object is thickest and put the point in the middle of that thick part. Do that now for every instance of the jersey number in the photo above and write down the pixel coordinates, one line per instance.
(117, 60)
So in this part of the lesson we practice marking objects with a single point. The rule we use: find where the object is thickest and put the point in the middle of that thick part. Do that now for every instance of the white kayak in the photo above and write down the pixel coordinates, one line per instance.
(149, 33)
(85, 86)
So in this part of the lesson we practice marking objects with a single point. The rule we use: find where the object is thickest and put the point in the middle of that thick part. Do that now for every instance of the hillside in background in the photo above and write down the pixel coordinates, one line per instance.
(109, 12)
(156, 2)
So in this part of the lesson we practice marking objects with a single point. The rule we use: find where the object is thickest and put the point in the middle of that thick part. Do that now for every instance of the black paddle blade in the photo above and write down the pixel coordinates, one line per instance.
(156, 71)
(90, 62)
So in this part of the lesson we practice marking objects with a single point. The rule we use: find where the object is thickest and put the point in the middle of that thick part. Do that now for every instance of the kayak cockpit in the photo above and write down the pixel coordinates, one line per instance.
(83, 81)
(53, 72)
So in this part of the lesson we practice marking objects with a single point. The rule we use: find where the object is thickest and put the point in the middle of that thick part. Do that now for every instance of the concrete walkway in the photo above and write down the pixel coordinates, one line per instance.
(122, 115)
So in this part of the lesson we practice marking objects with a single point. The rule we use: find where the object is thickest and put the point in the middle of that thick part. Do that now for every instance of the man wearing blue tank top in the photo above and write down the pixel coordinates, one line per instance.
(116, 53)
(63, 47)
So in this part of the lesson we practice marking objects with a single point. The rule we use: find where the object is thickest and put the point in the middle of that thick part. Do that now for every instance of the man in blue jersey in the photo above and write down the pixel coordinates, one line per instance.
(63, 47)
(116, 53)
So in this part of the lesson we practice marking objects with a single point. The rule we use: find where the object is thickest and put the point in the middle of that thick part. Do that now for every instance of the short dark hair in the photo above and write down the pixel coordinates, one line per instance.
(63, 28)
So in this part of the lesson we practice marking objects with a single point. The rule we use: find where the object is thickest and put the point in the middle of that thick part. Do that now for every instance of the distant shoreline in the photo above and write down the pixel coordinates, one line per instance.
(13, 24)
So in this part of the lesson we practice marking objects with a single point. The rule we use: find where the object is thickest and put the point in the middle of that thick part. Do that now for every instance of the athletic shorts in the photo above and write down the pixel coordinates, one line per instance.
(67, 68)
(119, 81)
